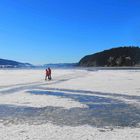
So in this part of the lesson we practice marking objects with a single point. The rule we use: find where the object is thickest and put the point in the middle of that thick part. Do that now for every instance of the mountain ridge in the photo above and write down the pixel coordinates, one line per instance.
(5, 63)
(120, 56)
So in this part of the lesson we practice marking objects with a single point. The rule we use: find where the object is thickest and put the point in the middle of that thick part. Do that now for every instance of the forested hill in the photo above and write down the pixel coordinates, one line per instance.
(121, 56)
(12, 64)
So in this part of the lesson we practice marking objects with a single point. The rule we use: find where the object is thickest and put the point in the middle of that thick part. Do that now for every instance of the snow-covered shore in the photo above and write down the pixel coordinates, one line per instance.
(17, 86)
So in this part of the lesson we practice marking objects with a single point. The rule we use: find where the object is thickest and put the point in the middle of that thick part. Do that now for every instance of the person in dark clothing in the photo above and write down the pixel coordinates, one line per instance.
(49, 74)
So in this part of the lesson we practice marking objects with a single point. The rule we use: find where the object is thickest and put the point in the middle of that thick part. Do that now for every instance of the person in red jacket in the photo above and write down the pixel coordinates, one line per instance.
(49, 74)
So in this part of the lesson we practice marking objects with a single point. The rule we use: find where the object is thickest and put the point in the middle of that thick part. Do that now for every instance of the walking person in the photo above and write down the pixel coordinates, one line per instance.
(49, 73)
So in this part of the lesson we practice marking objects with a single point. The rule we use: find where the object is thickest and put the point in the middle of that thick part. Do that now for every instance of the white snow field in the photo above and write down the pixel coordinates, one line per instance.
(75, 104)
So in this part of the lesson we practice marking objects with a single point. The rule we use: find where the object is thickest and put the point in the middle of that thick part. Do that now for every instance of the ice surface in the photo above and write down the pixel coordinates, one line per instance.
(76, 104)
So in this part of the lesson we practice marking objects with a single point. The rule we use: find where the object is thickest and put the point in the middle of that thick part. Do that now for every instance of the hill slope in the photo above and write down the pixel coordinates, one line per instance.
(122, 56)
(12, 64)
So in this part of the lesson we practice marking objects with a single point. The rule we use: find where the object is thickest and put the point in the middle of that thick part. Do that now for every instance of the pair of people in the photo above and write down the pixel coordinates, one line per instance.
(48, 74)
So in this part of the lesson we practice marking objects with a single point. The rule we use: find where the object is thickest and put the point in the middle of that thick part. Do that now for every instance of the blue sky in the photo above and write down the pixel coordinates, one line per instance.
(52, 31)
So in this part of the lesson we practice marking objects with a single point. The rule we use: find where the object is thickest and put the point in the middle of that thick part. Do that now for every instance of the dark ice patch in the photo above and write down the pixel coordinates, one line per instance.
(101, 112)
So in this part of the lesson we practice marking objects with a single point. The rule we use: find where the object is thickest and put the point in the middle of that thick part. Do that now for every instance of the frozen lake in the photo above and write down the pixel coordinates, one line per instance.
(73, 99)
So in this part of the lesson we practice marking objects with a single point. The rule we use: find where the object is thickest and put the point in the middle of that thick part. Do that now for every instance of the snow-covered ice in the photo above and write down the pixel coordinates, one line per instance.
(76, 104)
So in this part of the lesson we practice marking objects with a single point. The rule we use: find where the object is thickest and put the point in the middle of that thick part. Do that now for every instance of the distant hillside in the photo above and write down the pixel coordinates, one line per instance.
(122, 56)
(12, 64)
